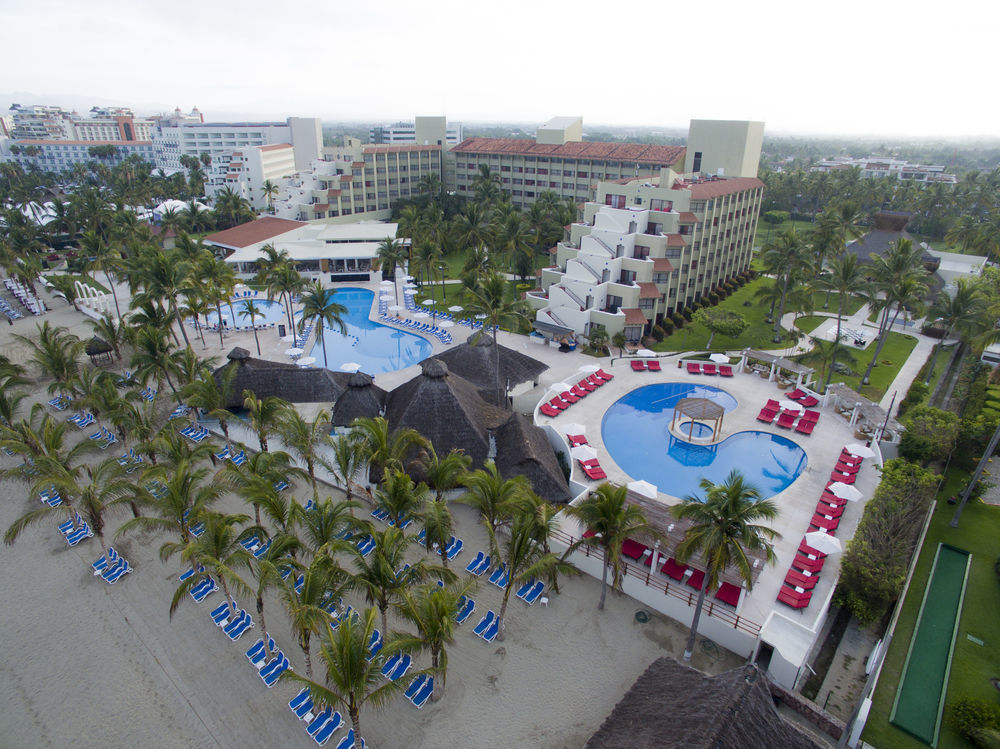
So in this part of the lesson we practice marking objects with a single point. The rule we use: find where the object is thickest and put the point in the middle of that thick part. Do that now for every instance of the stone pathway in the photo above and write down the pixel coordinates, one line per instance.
(845, 678)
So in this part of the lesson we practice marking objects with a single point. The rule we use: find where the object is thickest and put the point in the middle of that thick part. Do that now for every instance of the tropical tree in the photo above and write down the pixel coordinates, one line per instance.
(305, 439)
(789, 256)
(255, 481)
(113, 331)
(264, 414)
(444, 474)
(438, 526)
(345, 463)
(102, 256)
(218, 279)
(826, 354)
(212, 396)
(56, 352)
(723, 321)
(490, 299)
(286, 282)
(248, 310)
(962, 311)
(612, 519)
(153, 358)
(496, 498)
(725, 528)
(846, 276)
(380, 449)
(321, 525)
(390, 253)
(318, 306)
(399, 496)
(270, 190)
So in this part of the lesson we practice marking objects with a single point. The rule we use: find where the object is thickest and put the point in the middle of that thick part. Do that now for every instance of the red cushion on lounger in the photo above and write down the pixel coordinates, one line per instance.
(708, 369)
(577, 439)
(633, 549)
(693, 368)
(805, 427)
(653, 366)
(805, 548)
(604, 375)
(725, 370)
(586, 385)
(672, 568)
(567, 396)
(796, 394)
(809, 401)
(638, 365)
(697, 579)
(546, 409)
(728, 593)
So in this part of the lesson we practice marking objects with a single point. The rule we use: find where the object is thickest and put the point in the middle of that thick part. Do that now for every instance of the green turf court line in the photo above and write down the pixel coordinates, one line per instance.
(921, 691)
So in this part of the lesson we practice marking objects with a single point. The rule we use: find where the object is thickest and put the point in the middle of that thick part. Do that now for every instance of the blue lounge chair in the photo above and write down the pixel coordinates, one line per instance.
(491, 631)
(500, 578)
(257, 653)
(230, 625)
(238, 460)
(272, 678)
(220, 615)
(454, 549)
(272, 664)
(224, 454)
(390, 665)
(484, 565)
(75, 537)
(319, 721)
(534, 593)
(411, 691)
(250, 543)
(348, 741)
(523, 590)
(188, 572)
(474, 564)
(467, 607)
(114, 574)
(203, 589)
(425, 692)
(262, 550)
(236, 631)
(178, 412)
(298, 699)
(304, 711)
(485, 622)
(106, 560)
(333, 725)
(280, 486)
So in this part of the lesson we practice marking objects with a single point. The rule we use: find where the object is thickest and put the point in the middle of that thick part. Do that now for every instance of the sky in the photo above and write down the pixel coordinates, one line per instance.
(880, 67)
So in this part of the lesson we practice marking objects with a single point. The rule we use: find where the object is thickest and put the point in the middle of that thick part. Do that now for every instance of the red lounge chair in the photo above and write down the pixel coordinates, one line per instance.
(589, 533)
(708, 369)
(810, 416)
(568, 397)
(846, 457)
(638, 365)
(832, 499)
(827, 524)
(672, 568)
(772, 405)
(805, 548)
(809, 402)
(590, 463)
(595, 381)
(577, 439)
(796, 395)
(602, 375)
(633, 549)
(578, 391)
(694, 368)
(766, 415)
(802, 562)
(843, 478)
(586, 386)
(595, 474)
(800, 580)
(697, 579)
(546, 409)
(787, 419)
(725, 370)
(653, 366)
(559, 403)
(728, 593)
(822, 508)
(805, 427)
(791, 597)
(846, 468)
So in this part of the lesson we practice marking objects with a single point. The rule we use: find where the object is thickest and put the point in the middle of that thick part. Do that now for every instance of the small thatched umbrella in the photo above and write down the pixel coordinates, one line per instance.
(361, 399)
(98, 350)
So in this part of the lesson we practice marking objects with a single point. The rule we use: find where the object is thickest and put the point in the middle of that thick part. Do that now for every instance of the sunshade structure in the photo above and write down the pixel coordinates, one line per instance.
(780, 364)
(448, 410)
(673, 705)
(285, 380)
(860, 411)
(699, 409)
(476, 361)
(361, 399)
(98, 350)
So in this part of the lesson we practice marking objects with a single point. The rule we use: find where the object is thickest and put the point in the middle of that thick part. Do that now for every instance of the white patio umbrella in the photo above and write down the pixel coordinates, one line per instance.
(306, 361)
(428, 301)
(845, 491)
(824, 542)
(294, 351)
(720, 358)
(574, 428)
(645, 352)
(589, 368)
(421, 316)
(559, 386)
(583, 452)
(387, 283)
(862, 451)
(644, 488)
(350, 366)
(455, 308)
(446, 324)
(395, 308)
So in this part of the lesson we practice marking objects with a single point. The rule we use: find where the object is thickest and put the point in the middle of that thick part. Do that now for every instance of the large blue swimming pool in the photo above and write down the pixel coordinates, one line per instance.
(376, 347)
(636, 432)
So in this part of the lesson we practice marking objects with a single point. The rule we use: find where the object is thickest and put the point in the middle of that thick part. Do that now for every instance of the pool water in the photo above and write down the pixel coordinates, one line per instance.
(636, 432)
(376, 347)
(267, 312)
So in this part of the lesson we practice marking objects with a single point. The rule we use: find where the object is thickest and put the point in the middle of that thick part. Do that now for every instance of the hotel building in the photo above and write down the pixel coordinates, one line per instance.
(245, 171)
(422, 131)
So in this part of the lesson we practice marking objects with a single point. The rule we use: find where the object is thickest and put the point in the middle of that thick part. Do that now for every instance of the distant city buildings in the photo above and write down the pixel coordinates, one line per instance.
(103, 124)
(874, 167)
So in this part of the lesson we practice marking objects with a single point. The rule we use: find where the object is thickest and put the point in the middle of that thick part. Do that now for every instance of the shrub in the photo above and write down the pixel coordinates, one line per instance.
(914, 397)
(713, 297)
(975, 720)
(667, 326)
(930, 434)
(658, 333)
(687, 313)
(696, 305)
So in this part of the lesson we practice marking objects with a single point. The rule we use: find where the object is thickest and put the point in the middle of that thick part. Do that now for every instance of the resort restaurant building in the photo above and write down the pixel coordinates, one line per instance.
(646, 248)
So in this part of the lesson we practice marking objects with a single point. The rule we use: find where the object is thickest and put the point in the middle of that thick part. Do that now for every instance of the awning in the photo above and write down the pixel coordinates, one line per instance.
(551, 329)
(662, 265)
(676, 240)
(634, 317)
(688, 218)
(648, 290)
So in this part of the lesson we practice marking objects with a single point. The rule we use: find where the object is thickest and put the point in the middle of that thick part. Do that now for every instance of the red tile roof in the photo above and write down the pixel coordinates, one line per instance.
(675, 240)
(346, 177)
(399, 149)
(625, 152)
(275, 146)
(331, 193)
(358, 164)
(688, 218)
(253, 232)
(648, 291)
(634, 317)
(662, 265)
(717, 188)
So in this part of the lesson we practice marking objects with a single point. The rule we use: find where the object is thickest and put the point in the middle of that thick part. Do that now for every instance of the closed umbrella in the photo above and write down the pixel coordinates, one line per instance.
(862, 451)
(845, 491)
(643, 488)
(824, 542)
(583, 452)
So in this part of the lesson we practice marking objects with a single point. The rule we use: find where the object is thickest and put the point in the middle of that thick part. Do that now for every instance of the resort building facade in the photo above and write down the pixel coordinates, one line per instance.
(422, 131)
(57, 155)
(103, 124)
(648, 247)
(874, 167)
(245, 171)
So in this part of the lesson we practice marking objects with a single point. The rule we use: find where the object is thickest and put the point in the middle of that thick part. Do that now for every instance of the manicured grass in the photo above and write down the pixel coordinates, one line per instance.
(809, 323)
(973, 665)
(758, 335)
(894, 354)
(766, 232)
(851, 303)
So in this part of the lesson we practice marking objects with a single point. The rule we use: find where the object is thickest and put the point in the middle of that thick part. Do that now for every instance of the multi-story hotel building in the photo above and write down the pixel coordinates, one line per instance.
(58, 155)
(650, 246)
(355, 182)
(558, 159)
(245, 171)
(875, 167)
(422, 131)
(103, 124)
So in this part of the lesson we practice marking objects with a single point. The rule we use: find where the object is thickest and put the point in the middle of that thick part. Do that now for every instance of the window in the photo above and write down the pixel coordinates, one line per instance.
(646, 303)
(640, 252)
(696, 166)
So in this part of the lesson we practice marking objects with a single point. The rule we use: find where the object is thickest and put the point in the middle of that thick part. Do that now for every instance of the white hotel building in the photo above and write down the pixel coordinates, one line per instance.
(245, 171)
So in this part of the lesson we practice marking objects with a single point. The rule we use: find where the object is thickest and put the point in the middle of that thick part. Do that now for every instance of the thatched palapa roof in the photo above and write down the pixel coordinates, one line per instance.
(97, 346)
(524, 450)
(475, 361)
(673, 705)
(267, 378)
(360, 399)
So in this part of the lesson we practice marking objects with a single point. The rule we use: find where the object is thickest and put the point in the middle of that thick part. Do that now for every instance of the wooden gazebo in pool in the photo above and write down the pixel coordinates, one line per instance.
(699, 409)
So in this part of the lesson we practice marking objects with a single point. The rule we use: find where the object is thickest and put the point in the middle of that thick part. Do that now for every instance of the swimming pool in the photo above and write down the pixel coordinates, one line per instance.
(267, 312)
(376, 347)
(636, 432)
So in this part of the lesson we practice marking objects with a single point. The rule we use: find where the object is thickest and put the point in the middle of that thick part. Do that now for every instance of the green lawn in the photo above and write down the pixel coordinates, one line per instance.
(809, 323)
(851, 303)
(758, 335)
(766, 232)
(895, 352)
(973, 665)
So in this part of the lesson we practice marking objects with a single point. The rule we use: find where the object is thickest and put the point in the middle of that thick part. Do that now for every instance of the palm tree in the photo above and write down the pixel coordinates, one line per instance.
(390, 254)
(486, 185)
(287, 282)
(399, 496)
(438, 526)
(345, 463)
(270, 191)
(112, 330)
(612, 519)
(304, 439)
(255, 480)
(789, 255)
(444, 474)
(846, 276)
(318, 306)
(380, 449)
(248, 309)
(219, 280)
(352, 681)
(725, 526)
(212, 396)
(321, 525)
(103, 257)
(489, 299)
(274, 565)
(495, 497)
(164, 279)
(431, 609)
(962, 311)
(826, 354)
(154, 358)
(264, 414)
(56, 352)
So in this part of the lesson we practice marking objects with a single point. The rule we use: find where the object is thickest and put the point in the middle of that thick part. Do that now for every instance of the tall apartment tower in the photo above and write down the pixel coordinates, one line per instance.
(724, 148)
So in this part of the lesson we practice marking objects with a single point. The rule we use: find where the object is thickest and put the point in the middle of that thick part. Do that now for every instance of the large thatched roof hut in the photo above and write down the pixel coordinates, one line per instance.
(476, 361)
(673, 705)
(523, 449)
(360, 399)
(267, 378)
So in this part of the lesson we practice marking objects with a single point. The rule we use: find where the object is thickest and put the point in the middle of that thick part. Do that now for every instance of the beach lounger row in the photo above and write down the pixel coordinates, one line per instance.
(50, 497)
(60, 402)
(320, 724)
(195, 433)
(479, 565)
(76, 532)
(568, 397)
(488, 627)
(452, 548)
(8, 310)
(130, 461)
(202, 589)
(396, 667)
(111, 566)
(530, 591)
(232, 624)
(806, 400)
(465, 608)
(499, 577)
(420, 690)
(25, 296)
(82, 420)
(723, 370)
(643, 365)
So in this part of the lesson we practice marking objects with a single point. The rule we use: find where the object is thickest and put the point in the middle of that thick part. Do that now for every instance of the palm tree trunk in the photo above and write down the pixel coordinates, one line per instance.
(218, 310)
(781, 311)
(503, 609)
(383, 609)
(436, 692)
(604, 580)
(322, 345)
(354, 713)
(304, 641)
(836, 343)
(689, 648)
(229, 598)
(883, 337)
(180, 324)
(263, 624)
(114, 294)
(255, 336)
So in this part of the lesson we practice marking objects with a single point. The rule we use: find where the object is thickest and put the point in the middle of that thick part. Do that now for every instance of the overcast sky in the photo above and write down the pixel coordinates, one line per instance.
(851, 67)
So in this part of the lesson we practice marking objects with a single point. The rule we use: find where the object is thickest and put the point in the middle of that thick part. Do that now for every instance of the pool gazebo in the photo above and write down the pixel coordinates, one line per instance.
(775, 366)
(697, 410)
